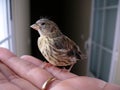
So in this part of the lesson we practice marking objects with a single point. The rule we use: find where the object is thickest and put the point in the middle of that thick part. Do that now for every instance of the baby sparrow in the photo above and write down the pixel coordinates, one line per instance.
(57, 48)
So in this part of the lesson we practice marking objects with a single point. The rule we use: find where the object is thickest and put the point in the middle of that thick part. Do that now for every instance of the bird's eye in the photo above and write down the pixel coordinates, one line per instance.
(42, 23)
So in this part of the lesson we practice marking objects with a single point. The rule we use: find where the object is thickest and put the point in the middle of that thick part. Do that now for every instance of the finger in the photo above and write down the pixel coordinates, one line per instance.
(3, 79)
(31, 59)
(9, 74)
(81, 83)
(8, 55)
(38, 63)
(16, 80)
(5, 84)
(61, 74)
(25, 69)
(58, 73)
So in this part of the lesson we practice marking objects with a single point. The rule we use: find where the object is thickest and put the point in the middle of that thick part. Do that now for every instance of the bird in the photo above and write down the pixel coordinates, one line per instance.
(57, 48)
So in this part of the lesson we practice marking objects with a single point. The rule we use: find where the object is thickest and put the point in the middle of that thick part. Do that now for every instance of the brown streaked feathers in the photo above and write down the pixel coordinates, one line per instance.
(57, 48)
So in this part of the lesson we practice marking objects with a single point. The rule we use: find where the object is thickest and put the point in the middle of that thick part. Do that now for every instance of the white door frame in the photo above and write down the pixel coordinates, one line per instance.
(88, 42)
(116, 47)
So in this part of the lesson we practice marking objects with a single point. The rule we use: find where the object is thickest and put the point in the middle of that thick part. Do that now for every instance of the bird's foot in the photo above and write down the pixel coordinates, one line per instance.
(45, 65)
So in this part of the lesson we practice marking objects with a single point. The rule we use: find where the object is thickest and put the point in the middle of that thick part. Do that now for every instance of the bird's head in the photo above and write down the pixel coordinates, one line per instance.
(45, 26)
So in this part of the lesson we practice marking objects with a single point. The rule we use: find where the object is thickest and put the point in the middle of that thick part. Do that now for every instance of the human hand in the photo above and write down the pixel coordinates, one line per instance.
(29, 73)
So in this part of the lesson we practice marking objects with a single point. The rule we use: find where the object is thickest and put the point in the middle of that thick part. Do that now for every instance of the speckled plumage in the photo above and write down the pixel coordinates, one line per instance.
(57, 48)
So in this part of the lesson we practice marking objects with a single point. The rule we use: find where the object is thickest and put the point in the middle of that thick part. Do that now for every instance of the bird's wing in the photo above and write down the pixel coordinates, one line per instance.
(65, 45)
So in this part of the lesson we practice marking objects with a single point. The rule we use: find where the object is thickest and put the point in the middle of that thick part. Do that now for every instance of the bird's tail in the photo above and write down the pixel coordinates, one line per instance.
(83, 57)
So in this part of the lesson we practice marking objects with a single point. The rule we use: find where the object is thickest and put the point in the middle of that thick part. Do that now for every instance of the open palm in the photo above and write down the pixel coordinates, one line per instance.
(29, 73)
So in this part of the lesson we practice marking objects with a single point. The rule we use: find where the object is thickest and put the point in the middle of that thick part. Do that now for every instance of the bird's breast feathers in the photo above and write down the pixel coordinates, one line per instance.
(61, 50)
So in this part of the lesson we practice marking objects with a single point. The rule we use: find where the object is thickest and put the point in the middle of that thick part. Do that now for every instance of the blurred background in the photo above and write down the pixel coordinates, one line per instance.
(93, 24)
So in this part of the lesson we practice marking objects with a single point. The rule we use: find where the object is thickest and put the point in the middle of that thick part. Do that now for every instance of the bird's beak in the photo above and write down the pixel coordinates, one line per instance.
(34, 26)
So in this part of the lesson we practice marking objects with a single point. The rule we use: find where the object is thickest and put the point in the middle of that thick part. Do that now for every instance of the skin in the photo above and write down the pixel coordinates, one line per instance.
(29, 73)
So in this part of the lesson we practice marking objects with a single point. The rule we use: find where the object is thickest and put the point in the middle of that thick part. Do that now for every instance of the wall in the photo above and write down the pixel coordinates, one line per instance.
(21, 29)
(78, 26)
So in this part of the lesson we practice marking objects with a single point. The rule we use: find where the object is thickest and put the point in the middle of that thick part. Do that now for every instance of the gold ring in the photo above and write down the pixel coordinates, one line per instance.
(47, 82)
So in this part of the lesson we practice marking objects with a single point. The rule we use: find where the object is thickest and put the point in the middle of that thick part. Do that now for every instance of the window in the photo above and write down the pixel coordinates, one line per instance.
(104, 39)
(5, 25)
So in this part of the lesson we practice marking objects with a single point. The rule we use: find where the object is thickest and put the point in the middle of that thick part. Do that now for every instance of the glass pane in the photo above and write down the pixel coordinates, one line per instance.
(94, 59)
(5, 44)
(105, 65)
(109, 29)
(3, 20)
(111, 2)
(97, 29)
(99, 3)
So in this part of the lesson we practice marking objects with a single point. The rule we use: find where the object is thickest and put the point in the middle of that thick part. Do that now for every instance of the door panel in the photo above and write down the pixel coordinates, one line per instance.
(109, 28)
(105, 65)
